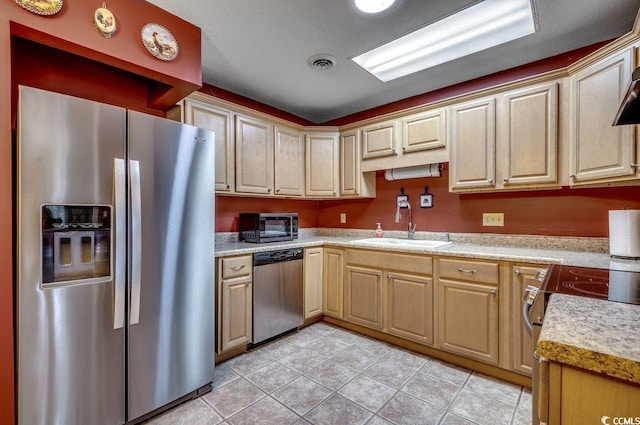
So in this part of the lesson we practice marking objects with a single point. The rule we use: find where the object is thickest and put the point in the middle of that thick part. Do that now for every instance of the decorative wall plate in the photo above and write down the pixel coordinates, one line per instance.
(159, 42)
(41, 7)
(104, 21)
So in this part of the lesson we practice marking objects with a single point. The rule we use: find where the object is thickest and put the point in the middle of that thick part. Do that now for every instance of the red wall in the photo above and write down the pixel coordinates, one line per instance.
(564, 212)
(228, 208)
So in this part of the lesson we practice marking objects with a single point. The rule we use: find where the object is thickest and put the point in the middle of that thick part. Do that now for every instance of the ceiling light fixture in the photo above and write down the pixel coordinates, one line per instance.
(479, 27)
(373, 6)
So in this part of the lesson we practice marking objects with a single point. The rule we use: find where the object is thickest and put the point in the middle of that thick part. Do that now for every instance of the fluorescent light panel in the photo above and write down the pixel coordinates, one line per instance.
(479, 27)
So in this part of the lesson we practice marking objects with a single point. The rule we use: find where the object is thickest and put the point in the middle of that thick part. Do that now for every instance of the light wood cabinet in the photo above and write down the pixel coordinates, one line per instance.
(254, 155)
(468, 308)
(379, 139)
(363, 296)
(235, 302)
(521, 350)
(353, 182)
(598, 150)
(576, 396)
(410, 306)
(390, 292)
(473, 140)
(288, 162)
(322, 164)
(333, 286)
(529, 137)
(424, 131)
(313, 277)
(220, 121)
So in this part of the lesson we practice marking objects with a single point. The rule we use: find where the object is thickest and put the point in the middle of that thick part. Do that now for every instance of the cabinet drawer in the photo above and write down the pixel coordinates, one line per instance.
(236, 266)
(472, 271)
(405, 263)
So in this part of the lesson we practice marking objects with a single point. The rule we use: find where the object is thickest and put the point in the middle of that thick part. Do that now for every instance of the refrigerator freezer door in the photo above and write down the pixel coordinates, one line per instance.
(70, 357)
(170, 348)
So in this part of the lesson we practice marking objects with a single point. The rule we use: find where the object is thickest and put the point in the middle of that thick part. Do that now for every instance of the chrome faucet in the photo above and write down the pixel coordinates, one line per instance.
(412, 227)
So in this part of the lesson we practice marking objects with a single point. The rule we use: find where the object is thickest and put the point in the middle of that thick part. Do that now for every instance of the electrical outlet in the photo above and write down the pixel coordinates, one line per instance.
(343, 218)
(493, 219)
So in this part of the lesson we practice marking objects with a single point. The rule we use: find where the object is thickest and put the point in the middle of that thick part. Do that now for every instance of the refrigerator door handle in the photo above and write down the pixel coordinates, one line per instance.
(119, 280)
(136, 241)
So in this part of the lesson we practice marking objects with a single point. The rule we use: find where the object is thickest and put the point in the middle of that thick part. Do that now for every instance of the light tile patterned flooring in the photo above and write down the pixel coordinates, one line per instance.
(328, 375)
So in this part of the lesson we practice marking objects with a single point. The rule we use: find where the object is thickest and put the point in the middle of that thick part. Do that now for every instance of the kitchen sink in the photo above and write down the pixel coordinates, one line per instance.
(418, 243)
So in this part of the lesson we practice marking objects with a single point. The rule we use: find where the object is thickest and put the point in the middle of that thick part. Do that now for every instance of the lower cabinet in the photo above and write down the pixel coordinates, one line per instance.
(313, 265)
(410, 302)
(467, 308)
(333, 277)
(363, 297)
(235, 302)
(569, 395)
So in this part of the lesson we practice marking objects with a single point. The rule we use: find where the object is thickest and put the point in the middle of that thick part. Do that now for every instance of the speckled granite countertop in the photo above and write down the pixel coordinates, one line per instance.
(531, 249)
(597, 335)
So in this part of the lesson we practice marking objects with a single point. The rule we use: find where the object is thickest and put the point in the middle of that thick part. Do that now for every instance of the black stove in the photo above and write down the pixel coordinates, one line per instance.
(612, 285)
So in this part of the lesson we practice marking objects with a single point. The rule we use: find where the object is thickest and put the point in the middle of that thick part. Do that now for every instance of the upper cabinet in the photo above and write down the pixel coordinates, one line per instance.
(254, 155)
(506, 142)
(220, 121)
(424, 131)
(409, 140)
(353, 182)
(528, 136)
(322, 156)
(600, 152)
(473, 134)
(289, 162)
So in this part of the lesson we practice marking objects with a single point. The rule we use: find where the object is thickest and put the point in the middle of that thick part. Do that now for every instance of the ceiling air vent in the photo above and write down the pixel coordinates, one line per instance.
(322, 62)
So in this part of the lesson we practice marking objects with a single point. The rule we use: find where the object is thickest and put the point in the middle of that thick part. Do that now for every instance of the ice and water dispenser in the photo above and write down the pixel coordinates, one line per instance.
(76, 243)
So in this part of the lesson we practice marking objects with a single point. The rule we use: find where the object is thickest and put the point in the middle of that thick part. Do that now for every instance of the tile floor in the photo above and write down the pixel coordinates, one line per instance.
(327, 375)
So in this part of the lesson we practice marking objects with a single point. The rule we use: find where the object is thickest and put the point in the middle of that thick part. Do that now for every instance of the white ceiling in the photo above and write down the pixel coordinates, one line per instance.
(259, 48)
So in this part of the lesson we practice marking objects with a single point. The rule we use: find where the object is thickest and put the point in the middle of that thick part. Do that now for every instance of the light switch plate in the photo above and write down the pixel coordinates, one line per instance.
(493, 219)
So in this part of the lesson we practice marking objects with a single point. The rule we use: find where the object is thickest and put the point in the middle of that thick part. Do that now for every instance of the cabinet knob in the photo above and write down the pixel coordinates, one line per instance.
(636, 166)
(334, 193)
(572, 175)
(516, 272)
(494, 293)
(269, 190)
(378, 274)
(277, 190)
(228, 186)
(505, 179)
(490, 181)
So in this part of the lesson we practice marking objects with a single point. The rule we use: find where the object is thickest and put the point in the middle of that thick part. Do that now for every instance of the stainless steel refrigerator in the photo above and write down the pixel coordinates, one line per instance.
(115, 261)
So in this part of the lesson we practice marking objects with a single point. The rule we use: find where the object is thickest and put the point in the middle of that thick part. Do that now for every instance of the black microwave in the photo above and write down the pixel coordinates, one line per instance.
(268, 227)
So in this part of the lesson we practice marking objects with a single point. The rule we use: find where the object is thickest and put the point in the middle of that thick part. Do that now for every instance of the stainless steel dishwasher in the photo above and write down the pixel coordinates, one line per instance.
(277, 292)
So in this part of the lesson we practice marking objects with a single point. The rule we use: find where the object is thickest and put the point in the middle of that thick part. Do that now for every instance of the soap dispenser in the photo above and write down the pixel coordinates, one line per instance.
(378, 231)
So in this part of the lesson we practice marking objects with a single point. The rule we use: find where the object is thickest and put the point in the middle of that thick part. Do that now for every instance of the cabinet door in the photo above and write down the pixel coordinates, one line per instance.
(219, 121)
(322, 158)
(522, 350)
(332, 287)
(468, 314)
(379, 140)
(598, 149)
(254, 156)
(473, 144)
(289, 162)
(236, 306)
(363, 297)
(350, 163)
(410, 300)
(530, 136)
(424, 131)
(313, 262)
